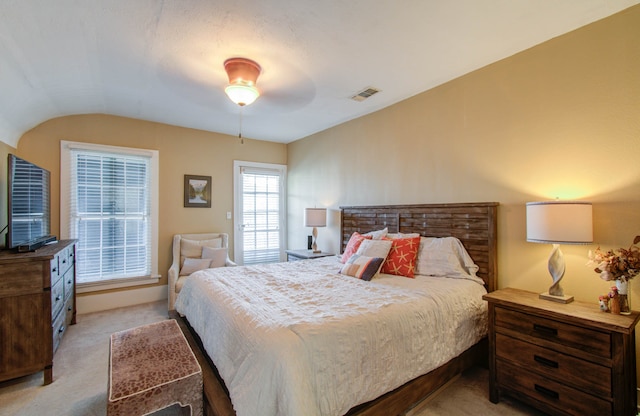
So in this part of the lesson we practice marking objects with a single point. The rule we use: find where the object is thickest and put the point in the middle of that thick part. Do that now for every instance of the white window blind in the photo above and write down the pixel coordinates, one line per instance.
(110, 213)
(261, 216)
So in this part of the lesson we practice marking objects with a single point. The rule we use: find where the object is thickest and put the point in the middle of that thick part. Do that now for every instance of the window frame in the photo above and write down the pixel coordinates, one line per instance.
(65, 206)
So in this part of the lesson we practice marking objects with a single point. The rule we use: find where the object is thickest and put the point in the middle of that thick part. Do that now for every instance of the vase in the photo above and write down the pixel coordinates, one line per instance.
(623, 293)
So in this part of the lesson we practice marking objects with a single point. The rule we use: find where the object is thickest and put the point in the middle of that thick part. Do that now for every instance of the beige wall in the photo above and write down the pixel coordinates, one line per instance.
(182, 151)
(559, 120)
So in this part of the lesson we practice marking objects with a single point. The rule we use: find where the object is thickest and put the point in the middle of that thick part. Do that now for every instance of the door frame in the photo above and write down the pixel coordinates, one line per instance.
(238, 238)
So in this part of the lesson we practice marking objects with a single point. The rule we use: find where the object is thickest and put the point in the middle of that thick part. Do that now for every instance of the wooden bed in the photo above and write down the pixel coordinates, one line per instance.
(474, 224)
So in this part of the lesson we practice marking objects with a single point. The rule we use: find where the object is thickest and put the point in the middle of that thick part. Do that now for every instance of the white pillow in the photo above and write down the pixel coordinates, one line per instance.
(378, 234)
(193, 265)
(394, 236)
(445, 257)
(375, 248)
(218, 256)
(193, 248)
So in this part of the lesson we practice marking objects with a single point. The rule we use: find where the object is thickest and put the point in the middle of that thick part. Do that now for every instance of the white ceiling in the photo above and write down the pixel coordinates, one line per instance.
(162, 60)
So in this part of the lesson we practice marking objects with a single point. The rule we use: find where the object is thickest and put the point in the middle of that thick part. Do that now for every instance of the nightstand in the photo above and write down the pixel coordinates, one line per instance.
(294, 255)
(564, 359)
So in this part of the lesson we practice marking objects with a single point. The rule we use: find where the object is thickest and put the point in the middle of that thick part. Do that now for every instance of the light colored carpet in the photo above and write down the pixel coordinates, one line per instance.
(81, 367)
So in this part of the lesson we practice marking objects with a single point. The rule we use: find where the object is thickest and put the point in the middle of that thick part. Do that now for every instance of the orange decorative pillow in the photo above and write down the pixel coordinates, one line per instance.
(352, 246)
(401, 260)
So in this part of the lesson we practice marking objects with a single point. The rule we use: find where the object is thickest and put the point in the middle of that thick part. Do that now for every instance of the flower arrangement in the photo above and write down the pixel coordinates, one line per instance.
(622, 264)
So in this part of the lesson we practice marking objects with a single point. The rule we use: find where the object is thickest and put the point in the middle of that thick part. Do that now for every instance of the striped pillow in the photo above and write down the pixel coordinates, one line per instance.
(362, 267)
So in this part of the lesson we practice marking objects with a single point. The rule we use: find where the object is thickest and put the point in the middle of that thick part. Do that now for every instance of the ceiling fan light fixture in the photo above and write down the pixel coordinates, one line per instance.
(243, 74)
(242, 94)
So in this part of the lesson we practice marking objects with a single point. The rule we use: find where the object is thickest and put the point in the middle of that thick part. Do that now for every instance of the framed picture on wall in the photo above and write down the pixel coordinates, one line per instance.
(197, 191)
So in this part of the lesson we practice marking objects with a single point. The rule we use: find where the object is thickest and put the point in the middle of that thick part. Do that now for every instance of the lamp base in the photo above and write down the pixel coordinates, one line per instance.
(556, 298)
(314, 246)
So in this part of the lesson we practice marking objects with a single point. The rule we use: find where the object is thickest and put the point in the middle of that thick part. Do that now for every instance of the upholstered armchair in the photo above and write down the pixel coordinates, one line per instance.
(193, 252)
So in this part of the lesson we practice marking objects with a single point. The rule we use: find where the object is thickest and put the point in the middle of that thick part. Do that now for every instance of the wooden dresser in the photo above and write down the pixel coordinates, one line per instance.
(37, 303)
(564, 359)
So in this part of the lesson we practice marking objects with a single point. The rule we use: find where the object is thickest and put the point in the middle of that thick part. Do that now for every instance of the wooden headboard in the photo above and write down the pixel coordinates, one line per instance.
(474, 224)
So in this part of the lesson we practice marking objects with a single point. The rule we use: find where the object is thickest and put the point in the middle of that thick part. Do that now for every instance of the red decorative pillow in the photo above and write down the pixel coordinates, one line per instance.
(401, 260)
(352, 246)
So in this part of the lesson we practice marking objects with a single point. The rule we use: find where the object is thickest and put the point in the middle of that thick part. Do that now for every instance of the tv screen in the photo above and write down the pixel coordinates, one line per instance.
(28, 198)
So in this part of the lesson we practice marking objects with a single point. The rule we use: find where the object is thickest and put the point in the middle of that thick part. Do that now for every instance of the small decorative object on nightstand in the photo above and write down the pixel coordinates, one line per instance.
(293, 255)
(620, 266)
(564, 359)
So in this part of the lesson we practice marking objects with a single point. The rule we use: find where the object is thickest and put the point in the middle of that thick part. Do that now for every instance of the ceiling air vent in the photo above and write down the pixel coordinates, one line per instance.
(364, 94)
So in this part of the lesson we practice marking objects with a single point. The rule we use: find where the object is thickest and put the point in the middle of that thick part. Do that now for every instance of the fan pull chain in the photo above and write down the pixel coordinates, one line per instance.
(240, 127)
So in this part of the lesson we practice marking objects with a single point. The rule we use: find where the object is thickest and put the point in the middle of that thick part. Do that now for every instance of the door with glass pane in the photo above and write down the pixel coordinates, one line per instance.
(259, 212)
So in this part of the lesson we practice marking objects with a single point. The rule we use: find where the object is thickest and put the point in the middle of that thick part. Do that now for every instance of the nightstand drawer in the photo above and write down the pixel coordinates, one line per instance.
(584, 375)
(538, 388)
(584, 339)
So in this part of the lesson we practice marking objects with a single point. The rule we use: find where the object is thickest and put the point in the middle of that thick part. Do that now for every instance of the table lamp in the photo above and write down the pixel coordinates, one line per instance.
(315, 217)
(559, 222)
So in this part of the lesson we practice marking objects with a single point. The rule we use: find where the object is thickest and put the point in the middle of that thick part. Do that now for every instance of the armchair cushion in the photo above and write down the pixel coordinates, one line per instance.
(193, 248)
(193, 265)
(218, 256)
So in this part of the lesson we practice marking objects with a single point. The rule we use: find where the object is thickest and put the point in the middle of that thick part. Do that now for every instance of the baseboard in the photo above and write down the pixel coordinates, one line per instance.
(112, 300)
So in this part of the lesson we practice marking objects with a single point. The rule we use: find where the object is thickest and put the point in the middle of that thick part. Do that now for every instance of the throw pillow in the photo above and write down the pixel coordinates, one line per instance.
(352, 246)
(218, 256)
(361, 267)
(374, 248)
(193, 265)
(401, 260)
(193, 248)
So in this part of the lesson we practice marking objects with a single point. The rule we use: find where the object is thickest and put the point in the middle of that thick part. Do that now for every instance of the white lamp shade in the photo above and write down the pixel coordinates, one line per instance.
(315, 217)
(560, 222)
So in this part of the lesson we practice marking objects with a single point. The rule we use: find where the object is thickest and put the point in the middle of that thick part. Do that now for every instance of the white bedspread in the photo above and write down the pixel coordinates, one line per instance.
(299, 339)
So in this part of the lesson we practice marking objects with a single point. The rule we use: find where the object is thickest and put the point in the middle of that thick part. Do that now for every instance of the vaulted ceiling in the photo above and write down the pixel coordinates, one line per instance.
(162, 60)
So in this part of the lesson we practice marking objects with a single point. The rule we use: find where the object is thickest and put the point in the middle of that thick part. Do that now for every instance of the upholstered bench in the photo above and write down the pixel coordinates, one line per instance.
(152, 367)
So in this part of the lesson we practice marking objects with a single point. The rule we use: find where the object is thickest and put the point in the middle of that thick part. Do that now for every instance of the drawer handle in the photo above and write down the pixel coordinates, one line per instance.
(545, 329)
(53, 270)
(58, 298)
(61, 330)
(545, 361)
(546, 392)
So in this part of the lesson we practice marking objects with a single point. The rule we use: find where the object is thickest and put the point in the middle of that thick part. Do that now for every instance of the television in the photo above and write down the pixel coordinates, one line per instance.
(28, 199)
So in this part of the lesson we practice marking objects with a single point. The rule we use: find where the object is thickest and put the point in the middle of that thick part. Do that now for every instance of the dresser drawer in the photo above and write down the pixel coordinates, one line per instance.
(57, 298)
(68, 312)
(69, 282)
(66, 259)
(59, 327)
(584, 375)
(584, 339)
(565, 399)
(54, 267)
